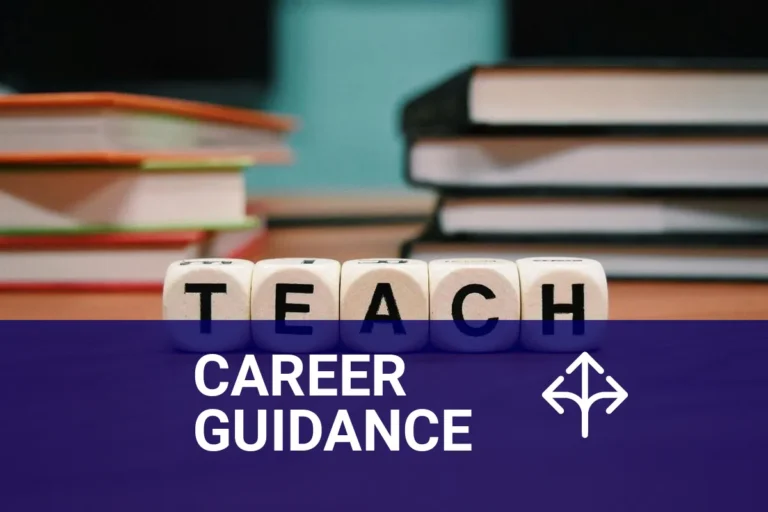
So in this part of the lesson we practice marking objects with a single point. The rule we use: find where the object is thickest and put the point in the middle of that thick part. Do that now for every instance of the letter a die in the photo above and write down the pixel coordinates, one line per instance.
(205, 291)
(295, 304)
(474, 304)
(385, 305)
(563, 301)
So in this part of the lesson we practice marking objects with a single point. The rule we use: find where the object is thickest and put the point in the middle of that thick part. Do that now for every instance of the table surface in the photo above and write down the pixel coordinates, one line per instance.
(644, 300)
(122, 415)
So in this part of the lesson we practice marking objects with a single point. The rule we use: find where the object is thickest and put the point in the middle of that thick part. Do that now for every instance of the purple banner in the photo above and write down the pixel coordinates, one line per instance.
(108, 416)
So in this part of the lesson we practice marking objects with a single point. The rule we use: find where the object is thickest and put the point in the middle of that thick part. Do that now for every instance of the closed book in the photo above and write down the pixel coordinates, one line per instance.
(610, 216)
(115, 261)
(147, 196)
(698, 256)
(76, 125)
(580, 165)
(588, 96)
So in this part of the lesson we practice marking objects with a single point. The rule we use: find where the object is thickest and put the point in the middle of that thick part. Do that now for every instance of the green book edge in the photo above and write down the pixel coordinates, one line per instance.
(224, 164)
(103, 229)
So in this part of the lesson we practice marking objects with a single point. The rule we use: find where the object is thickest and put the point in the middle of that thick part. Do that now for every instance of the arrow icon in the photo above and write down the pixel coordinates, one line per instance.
(585, 401)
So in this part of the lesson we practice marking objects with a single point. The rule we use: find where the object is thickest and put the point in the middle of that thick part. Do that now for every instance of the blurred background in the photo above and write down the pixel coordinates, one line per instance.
(341, 66)
(345, 69)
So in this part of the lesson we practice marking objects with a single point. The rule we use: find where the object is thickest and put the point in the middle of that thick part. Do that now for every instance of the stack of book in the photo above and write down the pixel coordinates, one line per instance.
(658, 169)
(105, 190)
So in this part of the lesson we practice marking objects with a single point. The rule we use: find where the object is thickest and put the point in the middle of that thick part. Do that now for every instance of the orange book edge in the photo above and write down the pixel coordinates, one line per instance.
(150, 159)
(145, 103)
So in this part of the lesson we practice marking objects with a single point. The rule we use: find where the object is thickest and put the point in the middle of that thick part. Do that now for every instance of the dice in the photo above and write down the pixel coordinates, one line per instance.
(295, 304)
(206, 291)
(384, 305)
(474, 304)
(571, 289)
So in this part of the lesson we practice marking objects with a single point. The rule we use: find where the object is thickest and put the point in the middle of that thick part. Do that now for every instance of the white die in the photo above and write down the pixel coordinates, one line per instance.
(553, 288)
(302, 292)
(474, 304)
(195, 287)
(385, 289)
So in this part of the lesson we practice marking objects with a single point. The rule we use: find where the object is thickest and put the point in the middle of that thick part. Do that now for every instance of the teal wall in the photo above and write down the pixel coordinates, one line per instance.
(343, 68)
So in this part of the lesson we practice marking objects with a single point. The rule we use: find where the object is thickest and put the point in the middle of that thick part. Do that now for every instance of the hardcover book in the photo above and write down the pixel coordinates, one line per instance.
(594, 96)
(82, 126)
(144, 194)
(114, 261)
(694, 256)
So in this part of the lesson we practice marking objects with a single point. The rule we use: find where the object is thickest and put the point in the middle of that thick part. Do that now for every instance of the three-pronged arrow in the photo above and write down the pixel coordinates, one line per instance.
(584, 361)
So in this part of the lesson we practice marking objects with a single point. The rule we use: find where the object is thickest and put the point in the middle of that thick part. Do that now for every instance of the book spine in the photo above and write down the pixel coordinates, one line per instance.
(406, 249)
(410, 179)
(597, 192)
(429, 232)
(467, 128)
(443, 110)
(701, 240)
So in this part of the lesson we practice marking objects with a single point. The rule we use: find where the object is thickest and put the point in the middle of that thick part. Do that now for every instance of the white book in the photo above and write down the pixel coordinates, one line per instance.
(506, 216)
(88, 199)
(620, 96)
(72, 123)
(115, 260)
(590, 163)
(528, 93)
(620, 261)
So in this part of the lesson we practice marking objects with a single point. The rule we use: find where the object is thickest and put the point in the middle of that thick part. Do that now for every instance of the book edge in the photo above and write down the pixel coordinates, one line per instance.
(147, 103)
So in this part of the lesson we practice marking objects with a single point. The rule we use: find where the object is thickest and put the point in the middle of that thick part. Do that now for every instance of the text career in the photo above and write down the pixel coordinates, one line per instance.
(252, 429)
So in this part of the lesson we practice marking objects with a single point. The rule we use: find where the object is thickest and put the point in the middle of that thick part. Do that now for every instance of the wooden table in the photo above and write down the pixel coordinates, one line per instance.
(629, 300)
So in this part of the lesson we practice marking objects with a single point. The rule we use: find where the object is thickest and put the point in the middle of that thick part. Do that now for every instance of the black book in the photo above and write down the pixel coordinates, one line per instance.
(624, 97)
(595, 216)
(695, 256)
(625, 166)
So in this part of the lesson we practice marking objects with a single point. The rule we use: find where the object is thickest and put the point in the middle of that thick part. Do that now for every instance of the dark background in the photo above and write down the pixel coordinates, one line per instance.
(48, 45)
(94, 44)
(649, 28)
(340, 66)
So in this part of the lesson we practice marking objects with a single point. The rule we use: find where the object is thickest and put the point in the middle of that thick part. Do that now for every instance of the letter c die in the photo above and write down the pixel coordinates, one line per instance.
(474, 304)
